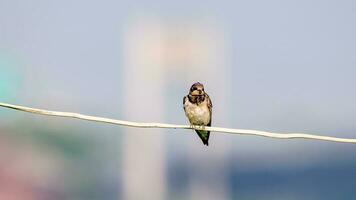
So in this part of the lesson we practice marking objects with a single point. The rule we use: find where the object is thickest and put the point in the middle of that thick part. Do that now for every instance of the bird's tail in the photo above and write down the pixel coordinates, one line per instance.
(204, 136)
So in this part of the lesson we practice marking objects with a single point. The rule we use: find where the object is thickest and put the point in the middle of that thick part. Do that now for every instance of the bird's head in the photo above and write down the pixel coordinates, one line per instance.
(197, 89)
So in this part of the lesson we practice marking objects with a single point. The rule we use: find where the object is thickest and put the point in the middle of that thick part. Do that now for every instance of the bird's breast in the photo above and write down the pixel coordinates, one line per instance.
(198, 114)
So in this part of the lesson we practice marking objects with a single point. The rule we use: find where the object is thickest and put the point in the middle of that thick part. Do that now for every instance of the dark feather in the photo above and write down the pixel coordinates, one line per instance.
(184, 100)
(204, 136)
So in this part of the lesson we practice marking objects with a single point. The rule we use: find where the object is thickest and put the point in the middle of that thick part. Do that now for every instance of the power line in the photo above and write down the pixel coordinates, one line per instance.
(175, 126)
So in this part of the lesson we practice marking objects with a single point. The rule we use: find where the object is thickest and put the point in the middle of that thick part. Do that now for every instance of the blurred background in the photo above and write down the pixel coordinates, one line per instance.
(283, 66)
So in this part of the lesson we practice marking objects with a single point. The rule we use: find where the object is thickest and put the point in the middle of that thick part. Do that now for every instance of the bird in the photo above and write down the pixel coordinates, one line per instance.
(198, 109)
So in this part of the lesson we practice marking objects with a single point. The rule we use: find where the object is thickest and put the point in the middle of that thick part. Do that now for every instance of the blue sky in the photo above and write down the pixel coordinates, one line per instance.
(290, 67)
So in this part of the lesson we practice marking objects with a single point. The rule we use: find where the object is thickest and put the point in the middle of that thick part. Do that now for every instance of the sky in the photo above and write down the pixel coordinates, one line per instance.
(283, 66)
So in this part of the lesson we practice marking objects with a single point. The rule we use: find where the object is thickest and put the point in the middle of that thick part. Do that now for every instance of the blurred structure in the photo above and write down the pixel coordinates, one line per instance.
(144, 81)
(160, 54)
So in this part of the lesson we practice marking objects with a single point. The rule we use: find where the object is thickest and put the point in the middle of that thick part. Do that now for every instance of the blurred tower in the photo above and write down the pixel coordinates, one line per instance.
(144, 166)
(157, 54)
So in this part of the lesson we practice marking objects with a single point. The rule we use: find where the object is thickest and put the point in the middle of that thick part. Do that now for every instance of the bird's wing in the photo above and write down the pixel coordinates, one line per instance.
(210, 106)
(184, 100)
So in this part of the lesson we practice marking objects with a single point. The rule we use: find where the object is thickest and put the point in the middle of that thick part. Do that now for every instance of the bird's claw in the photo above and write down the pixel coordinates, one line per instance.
(199, 127)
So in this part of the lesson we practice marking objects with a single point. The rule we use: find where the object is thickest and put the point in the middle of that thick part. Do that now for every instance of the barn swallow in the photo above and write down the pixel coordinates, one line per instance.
(198, 108)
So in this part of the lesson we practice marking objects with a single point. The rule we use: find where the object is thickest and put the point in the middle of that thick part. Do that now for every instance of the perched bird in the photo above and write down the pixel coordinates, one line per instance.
(198, 108)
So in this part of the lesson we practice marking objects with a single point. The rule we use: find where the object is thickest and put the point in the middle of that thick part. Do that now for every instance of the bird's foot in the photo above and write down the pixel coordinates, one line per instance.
(191, 126)
(199, 127)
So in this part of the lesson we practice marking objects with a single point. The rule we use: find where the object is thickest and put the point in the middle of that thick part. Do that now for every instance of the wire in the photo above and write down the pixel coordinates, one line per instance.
(174, 126)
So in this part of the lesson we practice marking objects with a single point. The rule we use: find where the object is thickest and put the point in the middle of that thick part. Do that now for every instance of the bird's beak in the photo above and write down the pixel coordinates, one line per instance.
(197, 92)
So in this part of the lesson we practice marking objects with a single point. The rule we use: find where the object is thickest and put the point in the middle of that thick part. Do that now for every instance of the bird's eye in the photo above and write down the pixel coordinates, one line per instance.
(194, 88)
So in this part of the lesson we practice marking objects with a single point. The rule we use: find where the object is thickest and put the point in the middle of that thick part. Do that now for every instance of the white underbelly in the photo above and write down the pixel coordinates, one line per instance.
(198, 115)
